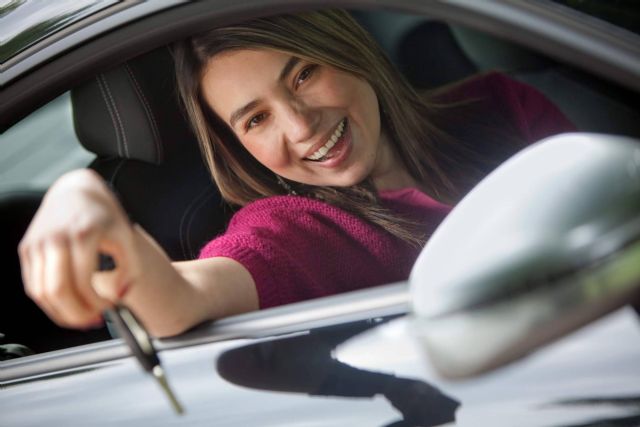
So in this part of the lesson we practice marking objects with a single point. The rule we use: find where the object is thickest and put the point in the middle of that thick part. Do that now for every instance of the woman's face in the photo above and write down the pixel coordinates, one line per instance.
(307, 122)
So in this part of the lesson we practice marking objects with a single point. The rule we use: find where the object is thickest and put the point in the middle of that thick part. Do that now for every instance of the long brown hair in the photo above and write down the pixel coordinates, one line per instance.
(332, 37)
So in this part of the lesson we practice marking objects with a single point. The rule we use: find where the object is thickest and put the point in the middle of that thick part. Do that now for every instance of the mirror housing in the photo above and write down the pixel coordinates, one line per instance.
(546, 243)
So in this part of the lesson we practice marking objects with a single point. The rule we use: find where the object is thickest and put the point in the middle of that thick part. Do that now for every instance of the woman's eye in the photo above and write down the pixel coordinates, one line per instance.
(305, 74)
(255, 120)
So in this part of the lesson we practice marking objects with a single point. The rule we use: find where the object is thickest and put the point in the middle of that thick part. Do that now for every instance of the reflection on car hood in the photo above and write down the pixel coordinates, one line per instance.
(380, 378)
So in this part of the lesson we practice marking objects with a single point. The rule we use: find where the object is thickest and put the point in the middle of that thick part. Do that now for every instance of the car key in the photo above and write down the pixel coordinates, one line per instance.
(139, 341)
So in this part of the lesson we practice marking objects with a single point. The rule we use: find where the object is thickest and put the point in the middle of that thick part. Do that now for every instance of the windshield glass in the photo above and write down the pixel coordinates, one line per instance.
(25, 22)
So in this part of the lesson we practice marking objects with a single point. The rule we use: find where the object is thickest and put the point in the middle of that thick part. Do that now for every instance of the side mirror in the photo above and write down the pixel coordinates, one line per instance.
(548, 242)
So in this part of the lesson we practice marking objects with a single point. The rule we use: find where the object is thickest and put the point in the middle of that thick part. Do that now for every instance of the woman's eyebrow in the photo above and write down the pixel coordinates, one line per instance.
(237, 114)
(291, 63)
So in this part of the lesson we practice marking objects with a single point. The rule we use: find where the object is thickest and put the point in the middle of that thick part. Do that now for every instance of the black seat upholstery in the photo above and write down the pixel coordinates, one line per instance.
(429, 56)
(130, 118)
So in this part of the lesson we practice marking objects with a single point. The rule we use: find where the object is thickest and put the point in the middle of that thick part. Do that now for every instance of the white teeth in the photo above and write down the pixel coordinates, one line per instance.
(322, 151)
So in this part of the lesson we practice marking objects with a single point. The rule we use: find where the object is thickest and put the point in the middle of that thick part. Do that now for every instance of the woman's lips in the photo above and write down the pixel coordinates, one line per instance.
(339, 152)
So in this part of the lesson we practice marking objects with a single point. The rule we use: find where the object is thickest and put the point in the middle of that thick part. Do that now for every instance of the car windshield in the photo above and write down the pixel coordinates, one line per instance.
(23, 23)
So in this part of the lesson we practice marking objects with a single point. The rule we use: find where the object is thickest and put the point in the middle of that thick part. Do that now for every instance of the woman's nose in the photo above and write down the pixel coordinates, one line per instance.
(300, 122)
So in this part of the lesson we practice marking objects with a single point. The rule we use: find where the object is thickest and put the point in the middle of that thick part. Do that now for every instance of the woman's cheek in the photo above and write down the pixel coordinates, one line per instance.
(270, 156)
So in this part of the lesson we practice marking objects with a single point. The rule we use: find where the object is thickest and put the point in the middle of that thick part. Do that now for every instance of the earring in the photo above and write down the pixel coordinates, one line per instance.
(290, 191)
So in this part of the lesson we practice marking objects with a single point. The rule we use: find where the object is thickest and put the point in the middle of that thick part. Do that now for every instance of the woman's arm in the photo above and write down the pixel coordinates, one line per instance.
(80, 218)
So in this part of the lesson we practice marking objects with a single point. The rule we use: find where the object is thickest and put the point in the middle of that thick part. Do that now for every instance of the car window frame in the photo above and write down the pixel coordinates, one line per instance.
(601, 49)
(382, 301)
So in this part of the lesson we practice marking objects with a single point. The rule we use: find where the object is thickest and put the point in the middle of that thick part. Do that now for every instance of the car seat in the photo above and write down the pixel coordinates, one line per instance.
(130, 118)
(425, 51)
(441, 63)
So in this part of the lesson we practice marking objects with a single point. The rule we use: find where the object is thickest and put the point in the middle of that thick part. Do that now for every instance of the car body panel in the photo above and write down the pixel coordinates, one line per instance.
(388, 300)
(550, 388)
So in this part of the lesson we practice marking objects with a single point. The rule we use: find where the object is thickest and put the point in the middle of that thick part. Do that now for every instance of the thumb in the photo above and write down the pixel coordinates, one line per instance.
(107, 285)
(118, 264)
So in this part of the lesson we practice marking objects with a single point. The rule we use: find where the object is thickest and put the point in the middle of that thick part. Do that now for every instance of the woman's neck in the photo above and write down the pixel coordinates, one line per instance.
(389, 172)
(395, 180)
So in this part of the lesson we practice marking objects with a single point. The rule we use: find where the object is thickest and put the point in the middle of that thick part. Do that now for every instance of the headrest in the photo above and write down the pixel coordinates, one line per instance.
(430, 56)
(132, 111)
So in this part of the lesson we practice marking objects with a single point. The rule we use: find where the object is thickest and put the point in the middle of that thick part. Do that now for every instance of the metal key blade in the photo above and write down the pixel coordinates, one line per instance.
(139, 341)
(158, 374)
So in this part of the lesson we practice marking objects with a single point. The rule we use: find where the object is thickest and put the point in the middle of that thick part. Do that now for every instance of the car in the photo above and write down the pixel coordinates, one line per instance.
(89, 84)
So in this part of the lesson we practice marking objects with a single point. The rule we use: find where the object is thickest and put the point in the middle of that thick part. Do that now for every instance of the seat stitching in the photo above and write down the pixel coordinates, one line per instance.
(113, 119)
(148, 111)
(186, 251)
(115, 108)
(116, 171)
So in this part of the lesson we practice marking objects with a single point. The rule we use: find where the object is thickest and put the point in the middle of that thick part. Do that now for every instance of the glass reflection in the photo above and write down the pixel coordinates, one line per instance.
(24, 23)
(305, 364)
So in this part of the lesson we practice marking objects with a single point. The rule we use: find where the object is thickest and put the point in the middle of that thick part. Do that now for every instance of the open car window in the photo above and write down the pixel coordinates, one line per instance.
(43, 145)
(306, 363)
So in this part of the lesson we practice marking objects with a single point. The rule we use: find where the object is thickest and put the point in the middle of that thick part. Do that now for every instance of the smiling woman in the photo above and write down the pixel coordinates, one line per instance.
(341, 168)
(309, 123)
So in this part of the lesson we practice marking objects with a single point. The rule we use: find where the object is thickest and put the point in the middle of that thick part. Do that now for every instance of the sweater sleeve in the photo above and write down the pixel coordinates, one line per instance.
(297, 248)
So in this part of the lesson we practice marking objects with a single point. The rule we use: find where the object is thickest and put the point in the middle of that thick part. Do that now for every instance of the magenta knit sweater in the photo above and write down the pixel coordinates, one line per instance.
(298, 248)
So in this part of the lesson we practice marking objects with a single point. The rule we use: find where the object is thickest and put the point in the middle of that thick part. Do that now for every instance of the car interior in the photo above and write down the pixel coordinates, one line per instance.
(129, 117)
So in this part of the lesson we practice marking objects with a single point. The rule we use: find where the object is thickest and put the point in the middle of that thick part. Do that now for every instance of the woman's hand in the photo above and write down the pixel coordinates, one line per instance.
(79, 218)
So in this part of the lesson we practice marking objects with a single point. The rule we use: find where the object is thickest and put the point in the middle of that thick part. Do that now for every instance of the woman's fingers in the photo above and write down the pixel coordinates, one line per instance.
(106, 285)
(32, 273)
(78, 218)
(84, 263)
(32, 260)
(119, 244)
(61, 291)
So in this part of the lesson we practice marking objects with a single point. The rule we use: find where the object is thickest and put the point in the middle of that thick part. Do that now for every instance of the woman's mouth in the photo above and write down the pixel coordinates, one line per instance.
(332, 147)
